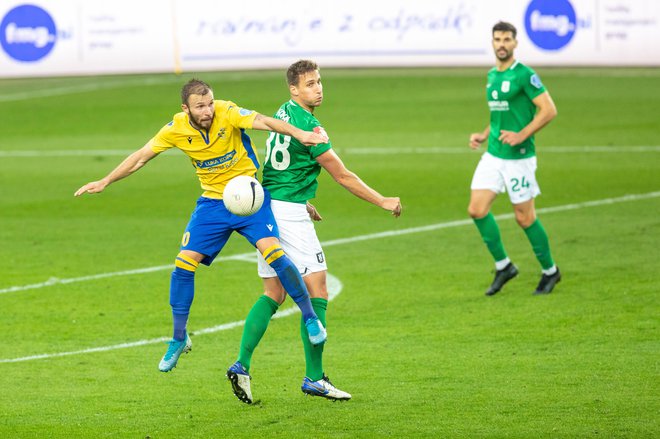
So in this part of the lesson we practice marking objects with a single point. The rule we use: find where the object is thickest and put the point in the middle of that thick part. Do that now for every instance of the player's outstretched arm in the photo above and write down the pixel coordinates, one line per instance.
(131, 164)
(307, 138)
(335, 167)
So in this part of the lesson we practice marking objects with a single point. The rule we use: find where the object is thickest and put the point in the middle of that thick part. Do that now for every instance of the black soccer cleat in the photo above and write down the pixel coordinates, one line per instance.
(502, 277)
(548, 282)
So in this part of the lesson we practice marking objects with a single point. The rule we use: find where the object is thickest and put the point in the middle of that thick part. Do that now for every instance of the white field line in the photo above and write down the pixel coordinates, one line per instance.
(356, 151)
(466, 150)
(119, 82)
(248, 256)
(334, 284)
(334, 288)
(108, 84)
(64, 90)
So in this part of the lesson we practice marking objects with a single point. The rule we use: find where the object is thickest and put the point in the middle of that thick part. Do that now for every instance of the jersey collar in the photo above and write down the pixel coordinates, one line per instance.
(292, 102)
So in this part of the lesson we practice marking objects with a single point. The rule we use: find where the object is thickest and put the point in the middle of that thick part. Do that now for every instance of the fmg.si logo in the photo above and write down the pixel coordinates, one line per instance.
(550, 24)
(27, 33)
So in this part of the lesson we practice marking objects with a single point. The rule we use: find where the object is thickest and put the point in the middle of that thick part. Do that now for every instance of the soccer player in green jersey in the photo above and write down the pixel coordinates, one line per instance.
(519, 107)
(290, 172)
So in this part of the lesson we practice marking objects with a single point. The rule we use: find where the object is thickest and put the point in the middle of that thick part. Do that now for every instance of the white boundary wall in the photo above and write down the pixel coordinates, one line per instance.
(79, 37)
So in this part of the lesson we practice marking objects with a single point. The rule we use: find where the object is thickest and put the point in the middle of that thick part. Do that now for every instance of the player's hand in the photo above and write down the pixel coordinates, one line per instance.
(91, 188)
(313, 213)
(511, 138)
(314, 138)
(393, 204)
(476, 139)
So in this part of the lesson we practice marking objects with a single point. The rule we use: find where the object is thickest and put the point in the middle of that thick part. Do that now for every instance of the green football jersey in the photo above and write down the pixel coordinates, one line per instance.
(290, 168)
(510, 95)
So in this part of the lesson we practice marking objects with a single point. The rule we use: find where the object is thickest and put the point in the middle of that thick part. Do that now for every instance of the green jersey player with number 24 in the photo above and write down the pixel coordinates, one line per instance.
(290, 174)
(519, 107)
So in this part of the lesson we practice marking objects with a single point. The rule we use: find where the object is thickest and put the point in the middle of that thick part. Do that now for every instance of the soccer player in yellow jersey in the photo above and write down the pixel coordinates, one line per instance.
(212, 134)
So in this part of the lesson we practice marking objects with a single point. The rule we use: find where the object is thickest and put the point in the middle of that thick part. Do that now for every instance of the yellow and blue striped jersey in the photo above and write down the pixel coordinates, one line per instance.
(218, 154)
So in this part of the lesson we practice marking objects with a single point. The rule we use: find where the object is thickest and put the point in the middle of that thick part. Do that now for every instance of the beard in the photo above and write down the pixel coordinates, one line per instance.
(503, 54)
(199, 124)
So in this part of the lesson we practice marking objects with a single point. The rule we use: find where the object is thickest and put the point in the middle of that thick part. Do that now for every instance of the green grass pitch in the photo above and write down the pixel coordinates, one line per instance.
(411, 335)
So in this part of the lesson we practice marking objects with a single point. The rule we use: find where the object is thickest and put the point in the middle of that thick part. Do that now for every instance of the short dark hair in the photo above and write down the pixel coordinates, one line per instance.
(503, 26)
(194, 87)
(299, 68)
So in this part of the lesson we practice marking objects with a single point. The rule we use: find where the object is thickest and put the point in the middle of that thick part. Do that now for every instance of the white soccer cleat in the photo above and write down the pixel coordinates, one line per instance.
(325, 389)
(240, 382)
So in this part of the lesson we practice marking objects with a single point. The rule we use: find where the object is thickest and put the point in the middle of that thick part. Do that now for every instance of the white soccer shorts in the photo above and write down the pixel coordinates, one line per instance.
(298, 239)
(517, 177)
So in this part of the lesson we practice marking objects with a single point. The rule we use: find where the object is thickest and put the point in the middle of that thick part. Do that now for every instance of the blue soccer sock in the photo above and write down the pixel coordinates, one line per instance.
(182, 291)
(290, 279)
(180, 323)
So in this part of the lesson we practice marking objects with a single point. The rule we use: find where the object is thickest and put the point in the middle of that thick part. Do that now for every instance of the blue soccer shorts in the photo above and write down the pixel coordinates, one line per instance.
(211, 225)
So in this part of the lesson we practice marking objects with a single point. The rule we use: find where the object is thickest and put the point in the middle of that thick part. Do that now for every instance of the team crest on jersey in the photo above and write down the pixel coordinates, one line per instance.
(535, 81)
(221, 133)
(506, 86)
(319, 130)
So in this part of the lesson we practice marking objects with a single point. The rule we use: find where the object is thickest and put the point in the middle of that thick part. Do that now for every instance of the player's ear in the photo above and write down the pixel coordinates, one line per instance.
(293, 90)
(185, 109)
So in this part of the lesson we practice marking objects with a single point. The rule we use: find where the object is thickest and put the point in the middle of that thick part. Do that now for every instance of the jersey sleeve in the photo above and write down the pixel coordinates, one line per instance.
(532, 84)
(307, 122)
(239, 117)
(163, 139)
(319, 149)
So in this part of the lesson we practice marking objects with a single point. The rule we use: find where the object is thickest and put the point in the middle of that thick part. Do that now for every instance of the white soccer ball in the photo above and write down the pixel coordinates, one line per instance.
(243, 195)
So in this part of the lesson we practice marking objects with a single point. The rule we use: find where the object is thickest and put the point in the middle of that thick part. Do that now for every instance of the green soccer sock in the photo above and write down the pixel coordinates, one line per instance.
(490, 233)
(539, 240)
(255, 327)
(314, 354)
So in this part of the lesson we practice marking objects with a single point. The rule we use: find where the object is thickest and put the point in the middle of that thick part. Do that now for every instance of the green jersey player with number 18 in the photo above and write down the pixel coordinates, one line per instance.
(289, 173)
(519, 107)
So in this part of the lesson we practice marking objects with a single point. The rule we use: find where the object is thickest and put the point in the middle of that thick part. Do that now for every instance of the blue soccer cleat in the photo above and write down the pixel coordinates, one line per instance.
(315, 330)
(240, 382)
(324, 389)
(173, 353)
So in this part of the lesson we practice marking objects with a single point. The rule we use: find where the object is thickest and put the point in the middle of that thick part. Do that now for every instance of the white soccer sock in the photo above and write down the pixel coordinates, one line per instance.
(499, 265)
(550, 271)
